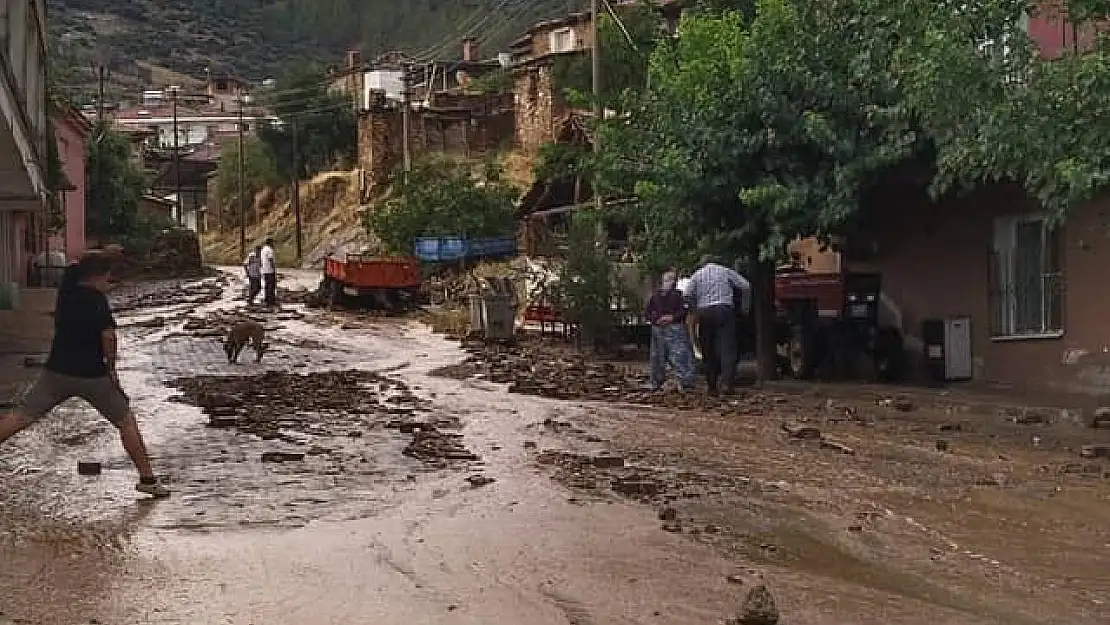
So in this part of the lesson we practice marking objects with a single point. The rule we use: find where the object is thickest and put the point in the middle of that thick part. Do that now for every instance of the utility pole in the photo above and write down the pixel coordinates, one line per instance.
(101, 210)
(242, 189)
(406, 99)
(595, 65)
(101, 79)
(296, 189)
(177, 159)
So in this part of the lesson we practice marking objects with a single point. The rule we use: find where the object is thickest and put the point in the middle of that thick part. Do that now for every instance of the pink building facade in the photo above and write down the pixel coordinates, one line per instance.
(71, 131)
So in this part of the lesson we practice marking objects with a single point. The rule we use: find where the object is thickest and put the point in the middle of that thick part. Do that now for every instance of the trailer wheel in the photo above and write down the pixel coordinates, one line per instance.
(801, 354)
(335, 294)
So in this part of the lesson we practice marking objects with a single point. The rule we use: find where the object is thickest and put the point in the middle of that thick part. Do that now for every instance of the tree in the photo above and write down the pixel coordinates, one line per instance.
(115, 185)
(259, 172)
(327, 131)
(752, 134)
(440, 197)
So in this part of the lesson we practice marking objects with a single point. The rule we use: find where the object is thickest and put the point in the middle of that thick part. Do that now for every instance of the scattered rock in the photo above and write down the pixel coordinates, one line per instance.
(837, 447)
(949, 427)
(673, 527)
(477, 481)
(942, 446)
(1032, 416)
(431, 445)
(758, 607)
(530, 444)
(1101, 418)
(1095, 451)
(88, 468)
(802, 431)
(223, 422)
(281, 456)
(636, 487)
(668, 514)
(903, 404)
(608, 462)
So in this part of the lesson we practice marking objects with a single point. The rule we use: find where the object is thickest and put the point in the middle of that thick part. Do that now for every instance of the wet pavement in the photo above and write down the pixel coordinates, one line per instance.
(356, 530)
(369, 471)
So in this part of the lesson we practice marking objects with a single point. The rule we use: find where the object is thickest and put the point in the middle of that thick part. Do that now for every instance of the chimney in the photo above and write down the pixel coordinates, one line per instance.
(470, 49)
(354, 59)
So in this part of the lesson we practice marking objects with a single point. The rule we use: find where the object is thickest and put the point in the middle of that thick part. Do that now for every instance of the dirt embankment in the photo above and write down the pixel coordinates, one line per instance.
(330, 215)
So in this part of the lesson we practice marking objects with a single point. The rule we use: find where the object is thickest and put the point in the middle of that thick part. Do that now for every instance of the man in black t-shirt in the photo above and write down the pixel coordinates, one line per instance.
(82, 363)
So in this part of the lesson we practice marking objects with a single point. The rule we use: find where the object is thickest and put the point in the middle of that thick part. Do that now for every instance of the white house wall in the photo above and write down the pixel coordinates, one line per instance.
(23, 99)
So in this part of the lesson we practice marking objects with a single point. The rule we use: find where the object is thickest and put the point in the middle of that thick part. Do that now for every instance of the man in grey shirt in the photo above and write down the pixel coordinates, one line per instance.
(712, 289)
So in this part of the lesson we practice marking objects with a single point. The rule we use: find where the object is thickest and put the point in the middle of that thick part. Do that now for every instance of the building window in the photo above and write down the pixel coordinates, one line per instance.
(1027, 282)
(563, 40)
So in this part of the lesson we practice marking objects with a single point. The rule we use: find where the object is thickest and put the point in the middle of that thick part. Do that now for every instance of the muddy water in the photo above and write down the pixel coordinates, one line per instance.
(373, 537)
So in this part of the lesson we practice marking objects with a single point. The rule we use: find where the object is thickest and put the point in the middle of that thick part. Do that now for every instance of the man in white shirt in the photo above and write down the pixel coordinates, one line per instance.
(712, 289)
(269, 273)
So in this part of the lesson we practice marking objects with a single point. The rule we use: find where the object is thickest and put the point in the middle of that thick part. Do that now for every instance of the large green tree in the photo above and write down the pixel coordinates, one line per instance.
(752, 133)
(115, 185)
(440, 197)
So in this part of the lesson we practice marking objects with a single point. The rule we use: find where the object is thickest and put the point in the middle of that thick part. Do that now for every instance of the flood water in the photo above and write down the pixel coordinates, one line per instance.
(355, 532)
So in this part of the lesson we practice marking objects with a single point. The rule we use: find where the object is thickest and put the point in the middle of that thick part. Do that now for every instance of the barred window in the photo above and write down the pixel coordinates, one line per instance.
(1026, 278)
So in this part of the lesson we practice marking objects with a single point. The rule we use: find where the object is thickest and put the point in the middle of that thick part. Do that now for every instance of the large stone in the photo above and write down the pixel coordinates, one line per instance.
(758, 607)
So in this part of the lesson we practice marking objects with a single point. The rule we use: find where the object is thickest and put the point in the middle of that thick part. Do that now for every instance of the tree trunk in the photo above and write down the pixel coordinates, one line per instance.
(763, 304)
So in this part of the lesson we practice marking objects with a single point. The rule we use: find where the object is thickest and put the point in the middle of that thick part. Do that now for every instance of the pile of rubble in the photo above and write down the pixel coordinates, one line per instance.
(277, 406)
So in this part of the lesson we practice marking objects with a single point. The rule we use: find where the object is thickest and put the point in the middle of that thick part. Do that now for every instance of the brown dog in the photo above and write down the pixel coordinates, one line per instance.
(242, 333)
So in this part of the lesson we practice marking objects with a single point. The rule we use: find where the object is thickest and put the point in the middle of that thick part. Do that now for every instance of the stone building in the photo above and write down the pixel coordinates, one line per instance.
(452, 123)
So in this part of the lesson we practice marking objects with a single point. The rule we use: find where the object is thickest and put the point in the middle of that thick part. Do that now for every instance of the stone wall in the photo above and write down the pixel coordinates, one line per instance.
(379, 141)
(460, 125)
(537, 108)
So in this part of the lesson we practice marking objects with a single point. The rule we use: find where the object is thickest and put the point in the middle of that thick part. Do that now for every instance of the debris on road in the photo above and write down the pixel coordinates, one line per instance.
(477, 481)
(758, 607)
(802, 431)
(1095, 451)
(1101, 418)
(275, 404)
(88, 468)
(278, 457)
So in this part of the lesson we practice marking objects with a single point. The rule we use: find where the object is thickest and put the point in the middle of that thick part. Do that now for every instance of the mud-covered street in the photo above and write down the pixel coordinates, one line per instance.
(369, 470)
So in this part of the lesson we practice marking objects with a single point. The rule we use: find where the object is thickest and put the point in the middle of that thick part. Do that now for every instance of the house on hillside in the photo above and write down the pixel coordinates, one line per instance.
(71, 133)
(540, 105)
(446, 116)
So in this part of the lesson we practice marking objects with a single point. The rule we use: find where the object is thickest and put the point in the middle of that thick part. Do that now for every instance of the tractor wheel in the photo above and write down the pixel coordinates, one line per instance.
(335, 294)
(801, 354)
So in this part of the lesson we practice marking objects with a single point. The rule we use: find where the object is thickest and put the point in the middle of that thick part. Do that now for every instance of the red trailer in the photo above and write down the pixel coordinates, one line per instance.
(386, 282)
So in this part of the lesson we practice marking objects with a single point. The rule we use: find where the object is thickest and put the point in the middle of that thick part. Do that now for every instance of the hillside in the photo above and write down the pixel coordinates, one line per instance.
(263, 38)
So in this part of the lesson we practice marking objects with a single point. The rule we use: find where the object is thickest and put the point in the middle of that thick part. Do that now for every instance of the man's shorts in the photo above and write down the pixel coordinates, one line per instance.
(52, 389)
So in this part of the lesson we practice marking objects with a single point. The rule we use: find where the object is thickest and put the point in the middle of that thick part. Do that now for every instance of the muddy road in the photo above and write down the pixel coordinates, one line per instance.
(370, 471)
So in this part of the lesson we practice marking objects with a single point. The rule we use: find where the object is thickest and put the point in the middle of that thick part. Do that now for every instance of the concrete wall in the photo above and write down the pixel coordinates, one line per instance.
(936, 259)
(71, 152)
